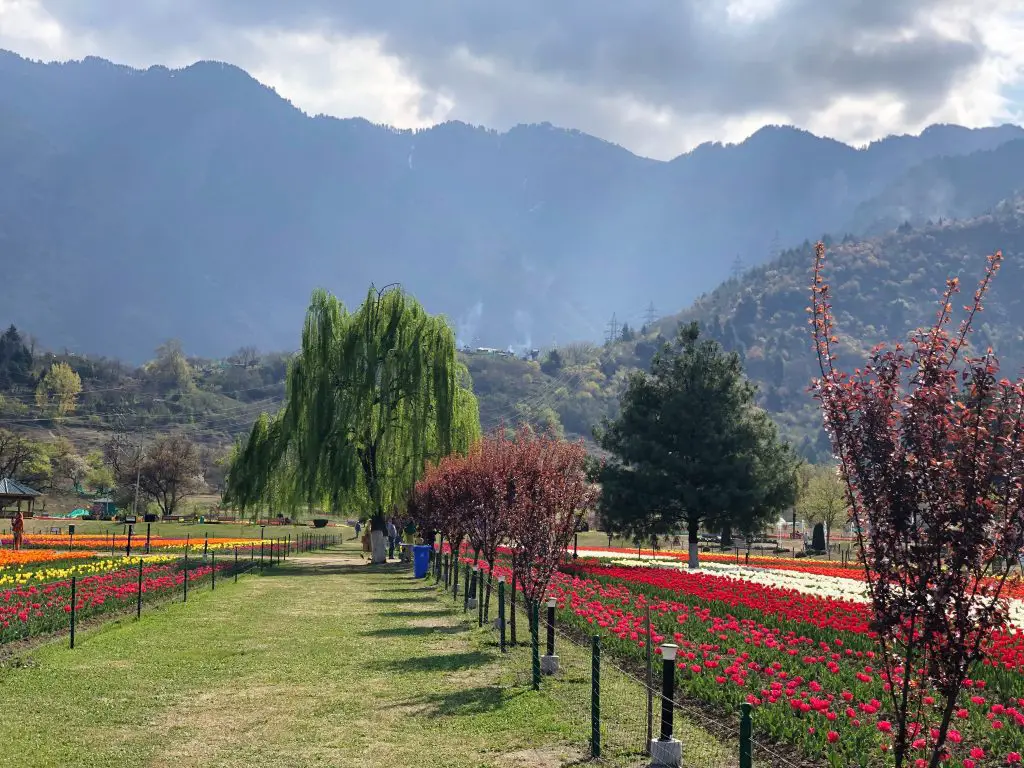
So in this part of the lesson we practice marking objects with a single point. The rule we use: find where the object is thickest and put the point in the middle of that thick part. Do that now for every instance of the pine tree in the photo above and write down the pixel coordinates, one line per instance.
(690, 447)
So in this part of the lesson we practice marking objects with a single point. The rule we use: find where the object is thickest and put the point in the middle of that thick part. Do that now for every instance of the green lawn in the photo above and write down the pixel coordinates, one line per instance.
(322, 662)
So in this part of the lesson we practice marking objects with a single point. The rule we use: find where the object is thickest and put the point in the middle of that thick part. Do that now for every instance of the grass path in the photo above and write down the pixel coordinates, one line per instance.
(323, 662)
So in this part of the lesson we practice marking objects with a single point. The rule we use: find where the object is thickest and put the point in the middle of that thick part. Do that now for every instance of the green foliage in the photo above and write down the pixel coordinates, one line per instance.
(822, 497)
(170, 371)
(690, 447)
(372, 397)
(15, 360)
(58, 390)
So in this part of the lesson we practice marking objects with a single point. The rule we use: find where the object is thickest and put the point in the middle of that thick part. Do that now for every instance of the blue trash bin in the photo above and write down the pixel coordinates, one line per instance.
(420, 561)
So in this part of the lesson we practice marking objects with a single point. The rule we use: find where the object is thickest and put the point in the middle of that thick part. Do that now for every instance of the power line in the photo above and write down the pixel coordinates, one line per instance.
(650, 315)
(738, 267)
(613, 329)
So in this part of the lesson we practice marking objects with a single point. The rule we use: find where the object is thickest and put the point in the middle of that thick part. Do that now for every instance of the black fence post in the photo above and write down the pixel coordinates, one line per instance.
(206, 545)
(668, 689)
(236, 563)
(148, 531)
(74, 608)
(480, 600)
(261, 554)
(650, 681)
(552, 602)
(501, 610)
(128, 549)
(138, 605)
(186, 575)
(535, 641)
(213, 571)
(746, 736)
(595, 696)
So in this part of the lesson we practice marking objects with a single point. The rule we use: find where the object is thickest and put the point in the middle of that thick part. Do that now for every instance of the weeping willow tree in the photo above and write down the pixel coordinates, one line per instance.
(372, 396)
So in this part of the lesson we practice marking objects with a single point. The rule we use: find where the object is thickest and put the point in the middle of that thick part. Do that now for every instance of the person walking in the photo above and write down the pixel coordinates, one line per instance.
(18, 529)
(392, 539)
(359, 527)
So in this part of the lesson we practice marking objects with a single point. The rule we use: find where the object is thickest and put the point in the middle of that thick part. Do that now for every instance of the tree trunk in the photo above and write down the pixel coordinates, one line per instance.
(693, 527)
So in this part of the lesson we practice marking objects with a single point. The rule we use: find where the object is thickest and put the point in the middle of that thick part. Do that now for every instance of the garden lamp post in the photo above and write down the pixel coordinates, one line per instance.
(667, 751)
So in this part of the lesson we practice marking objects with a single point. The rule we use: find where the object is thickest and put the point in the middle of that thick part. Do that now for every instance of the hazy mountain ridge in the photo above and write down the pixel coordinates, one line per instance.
(197, 203)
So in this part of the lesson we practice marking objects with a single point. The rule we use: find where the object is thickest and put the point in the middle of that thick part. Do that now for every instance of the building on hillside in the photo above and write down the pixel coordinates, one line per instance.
(13, 495)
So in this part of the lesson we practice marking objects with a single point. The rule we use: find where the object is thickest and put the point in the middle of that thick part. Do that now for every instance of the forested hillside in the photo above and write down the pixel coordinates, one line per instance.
(137, 206)
(882, 288)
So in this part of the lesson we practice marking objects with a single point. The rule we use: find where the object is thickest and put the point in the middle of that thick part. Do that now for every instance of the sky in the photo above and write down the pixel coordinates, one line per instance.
(656, 76)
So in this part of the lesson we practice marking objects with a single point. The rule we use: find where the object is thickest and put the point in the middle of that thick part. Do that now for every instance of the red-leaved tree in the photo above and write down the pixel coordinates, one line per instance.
(490, 466)
(550, 494)
(930, 441)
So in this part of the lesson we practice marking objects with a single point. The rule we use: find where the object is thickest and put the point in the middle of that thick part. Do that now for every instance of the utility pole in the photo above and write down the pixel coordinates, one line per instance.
(776, 250)
(138, 477)
(738, 267)
(613, 329)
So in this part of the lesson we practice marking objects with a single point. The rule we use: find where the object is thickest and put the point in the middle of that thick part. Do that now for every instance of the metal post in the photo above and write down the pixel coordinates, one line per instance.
(650, 680)
(236, 563)
(535, 642)
(480, 601)
(138, 606)
(213, 571)
(128, 549)
(186, 575)
(113, 538)
(261, 553)
(74, 609)
(148, 526)
(501, 610)
(668, 689)
(746, 736)
(552, 602)
(595, 696)
(471, 592)
(575, 545)
(206, 545)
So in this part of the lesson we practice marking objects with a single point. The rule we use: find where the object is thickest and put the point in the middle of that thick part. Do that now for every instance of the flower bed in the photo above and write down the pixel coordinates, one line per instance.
(11, 559)
(101, 543)
(65, 568)
(807, 664)
(41, 609)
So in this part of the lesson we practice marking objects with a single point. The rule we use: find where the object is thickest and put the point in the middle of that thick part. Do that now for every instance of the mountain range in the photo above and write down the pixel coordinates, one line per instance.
(139, 205)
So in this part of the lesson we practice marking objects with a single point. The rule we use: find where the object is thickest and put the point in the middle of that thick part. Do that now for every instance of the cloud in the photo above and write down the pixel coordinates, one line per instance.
(657, 76)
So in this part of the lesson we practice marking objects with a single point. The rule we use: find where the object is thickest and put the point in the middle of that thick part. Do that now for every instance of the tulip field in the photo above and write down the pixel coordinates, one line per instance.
(159, 543)
(35, 584)
(805, 662)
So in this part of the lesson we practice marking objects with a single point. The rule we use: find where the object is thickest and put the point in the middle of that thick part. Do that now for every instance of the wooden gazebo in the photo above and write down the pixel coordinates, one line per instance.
(13, 495)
